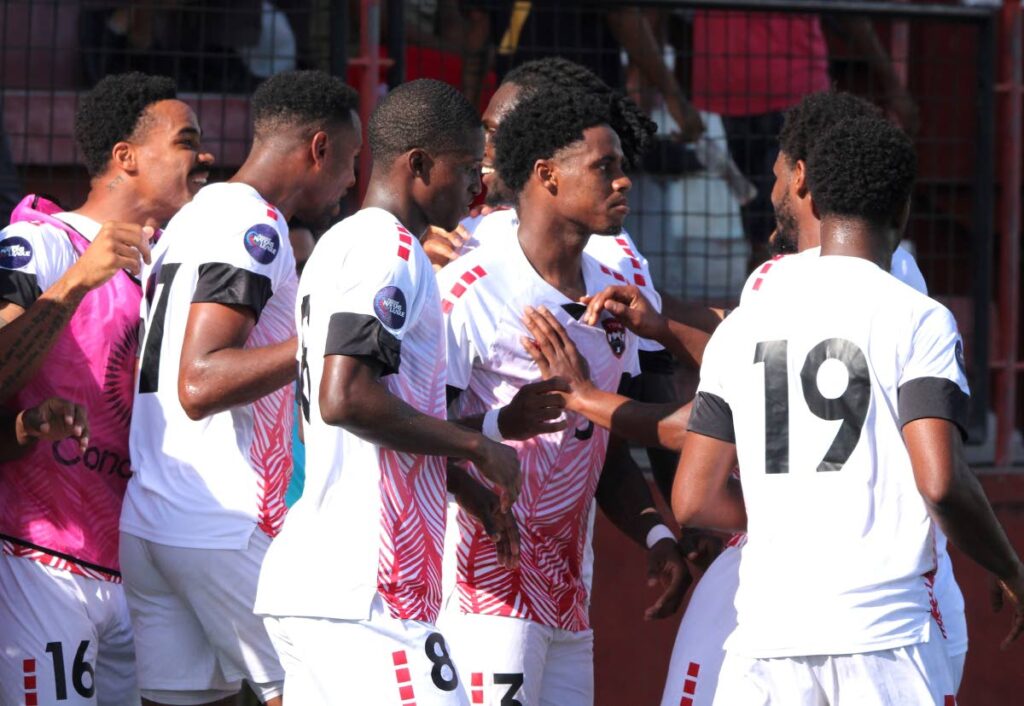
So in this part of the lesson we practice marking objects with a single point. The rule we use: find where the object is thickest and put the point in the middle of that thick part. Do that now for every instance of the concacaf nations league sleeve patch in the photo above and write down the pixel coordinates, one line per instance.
(15, 253)
(389, 306)
(262, 242)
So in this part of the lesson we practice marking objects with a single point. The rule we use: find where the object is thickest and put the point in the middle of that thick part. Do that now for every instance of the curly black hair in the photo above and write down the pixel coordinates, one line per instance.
(308, 98)
(635, 129)
(428, 114)
(113, 111)
(540, 126)
(809, 119)
(862, 168)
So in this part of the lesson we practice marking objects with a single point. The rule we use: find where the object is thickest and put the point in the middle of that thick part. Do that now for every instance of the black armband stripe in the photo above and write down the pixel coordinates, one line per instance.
(712, 416)
(19, 288)
(362, 335)
(220, 283)
(937, 398)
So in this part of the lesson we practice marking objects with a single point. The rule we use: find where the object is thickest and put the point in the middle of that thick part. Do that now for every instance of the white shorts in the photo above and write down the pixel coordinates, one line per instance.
(709, 619)
(917, 674)
(64, 638)
(511, 660)
(196, 636)
(377, 661)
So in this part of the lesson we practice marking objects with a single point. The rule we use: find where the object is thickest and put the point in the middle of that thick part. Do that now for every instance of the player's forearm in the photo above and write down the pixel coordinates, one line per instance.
(233, 377)
(723, 511)
(624, 496)
(632, 30)
(27, 340)
(685, 342)
(368, 410)
(643, 423)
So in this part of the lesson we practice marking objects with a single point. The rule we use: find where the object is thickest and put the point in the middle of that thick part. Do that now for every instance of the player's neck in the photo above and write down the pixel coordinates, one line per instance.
(263, 171)
(852, 237)
(381, 194)
(111, 199)
(555, 249)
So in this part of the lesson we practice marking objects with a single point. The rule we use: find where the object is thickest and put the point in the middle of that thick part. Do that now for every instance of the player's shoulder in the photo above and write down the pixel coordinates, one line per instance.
(770, 271)
(475, 276)
(30, 244)
(498, 223)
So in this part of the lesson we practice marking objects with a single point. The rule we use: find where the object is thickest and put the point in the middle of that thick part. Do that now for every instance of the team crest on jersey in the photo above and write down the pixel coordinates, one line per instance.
(615, 332)
(15, 253)
(262, 242)
(389, 306)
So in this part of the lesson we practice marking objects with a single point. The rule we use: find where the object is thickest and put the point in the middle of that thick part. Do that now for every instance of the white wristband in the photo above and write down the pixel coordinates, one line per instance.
(658, 533)
(490, 426)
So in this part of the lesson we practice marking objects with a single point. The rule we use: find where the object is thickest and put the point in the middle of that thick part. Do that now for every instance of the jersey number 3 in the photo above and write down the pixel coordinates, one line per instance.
(851, 406)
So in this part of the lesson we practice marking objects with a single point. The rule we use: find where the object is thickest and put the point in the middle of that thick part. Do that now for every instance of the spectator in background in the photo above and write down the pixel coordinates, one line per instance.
(574, 29)
(749, 67)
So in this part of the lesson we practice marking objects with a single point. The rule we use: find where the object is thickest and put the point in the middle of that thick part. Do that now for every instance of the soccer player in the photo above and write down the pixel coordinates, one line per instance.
(214, 400)
(847, 423)
(69, 308)
(523, 633)
(711, 613)
(352, 586)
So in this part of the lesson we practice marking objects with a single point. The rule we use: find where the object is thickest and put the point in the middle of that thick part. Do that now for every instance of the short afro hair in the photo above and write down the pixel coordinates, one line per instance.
(635, 129)
(426, 114)
(540, 126)
(862, 168)
(809, 119)
(113, 112)
(310, 99)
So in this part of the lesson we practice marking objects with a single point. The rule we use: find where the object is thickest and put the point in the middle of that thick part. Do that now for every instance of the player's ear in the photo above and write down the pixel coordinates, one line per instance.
(318, 148)
(546, 172)
(420, 164)
(800, 178)
(124, 158)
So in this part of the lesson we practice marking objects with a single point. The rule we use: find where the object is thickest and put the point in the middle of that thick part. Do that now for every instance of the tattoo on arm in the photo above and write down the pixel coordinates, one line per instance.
(25, 341)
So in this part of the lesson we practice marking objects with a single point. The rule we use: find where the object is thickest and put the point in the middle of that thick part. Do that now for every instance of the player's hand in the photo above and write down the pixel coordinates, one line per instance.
(53, 420)
(666, 566)
(700, 548)
(499, 525)
(555, 354)
(534, 410)
(627, 304)
(118, 246)
(442, 246)
(1012, 590)
(499, 464)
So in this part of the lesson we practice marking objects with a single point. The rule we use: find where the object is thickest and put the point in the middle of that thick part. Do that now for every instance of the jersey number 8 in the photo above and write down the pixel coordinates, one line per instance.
(851, 406)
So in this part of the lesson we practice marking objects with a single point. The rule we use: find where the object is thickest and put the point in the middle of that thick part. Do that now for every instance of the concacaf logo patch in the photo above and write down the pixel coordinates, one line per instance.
(15, 253)
(389, 306)
(262, 242)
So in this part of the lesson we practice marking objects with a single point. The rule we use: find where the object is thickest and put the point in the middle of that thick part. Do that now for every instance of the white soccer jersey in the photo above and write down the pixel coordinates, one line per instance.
(370, 520)
(210, 483)
(903, 267)
(815, 399)
(484, 295)
(618, 254)
(949, 613)
(38, 254)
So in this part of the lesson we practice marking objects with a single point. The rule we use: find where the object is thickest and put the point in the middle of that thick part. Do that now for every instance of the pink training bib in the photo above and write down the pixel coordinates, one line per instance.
(57, 504)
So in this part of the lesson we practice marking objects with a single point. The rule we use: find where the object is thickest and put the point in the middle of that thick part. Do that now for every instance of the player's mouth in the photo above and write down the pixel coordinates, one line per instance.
(486, 169)
(197, 180)
(620, 207)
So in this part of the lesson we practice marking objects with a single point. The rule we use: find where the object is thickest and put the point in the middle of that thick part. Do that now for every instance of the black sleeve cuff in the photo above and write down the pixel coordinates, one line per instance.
(364, 336)
(220, 283)
(712, 416)
(936, 398)
(657, 362)
(19, 288)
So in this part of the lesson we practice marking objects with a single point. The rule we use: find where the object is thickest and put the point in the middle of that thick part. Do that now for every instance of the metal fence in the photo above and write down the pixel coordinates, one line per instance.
(702, 213)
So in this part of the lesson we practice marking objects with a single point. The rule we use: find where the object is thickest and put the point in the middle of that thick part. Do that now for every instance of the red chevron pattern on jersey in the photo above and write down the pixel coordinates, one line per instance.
(413, 492)
(270, 452)
(560, 475)
(638, 270)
